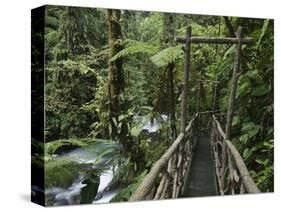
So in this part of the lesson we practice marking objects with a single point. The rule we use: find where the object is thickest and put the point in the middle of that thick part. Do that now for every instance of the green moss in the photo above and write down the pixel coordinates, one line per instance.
(54, 146)
(62, 172)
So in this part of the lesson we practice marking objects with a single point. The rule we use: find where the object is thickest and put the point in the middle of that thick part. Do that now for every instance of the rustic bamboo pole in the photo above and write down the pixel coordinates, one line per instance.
(185, 80)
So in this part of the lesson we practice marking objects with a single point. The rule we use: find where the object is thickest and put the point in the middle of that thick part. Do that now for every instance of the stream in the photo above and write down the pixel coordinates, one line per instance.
(82, 187)
(71, 195)
(155, 124)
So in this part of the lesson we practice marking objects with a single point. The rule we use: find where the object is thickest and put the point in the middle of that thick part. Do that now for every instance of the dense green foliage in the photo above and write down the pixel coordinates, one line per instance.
(83, 99)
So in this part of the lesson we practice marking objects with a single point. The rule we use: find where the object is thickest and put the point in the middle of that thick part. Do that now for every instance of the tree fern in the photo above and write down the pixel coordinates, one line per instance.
(167, 56)
(135, 47)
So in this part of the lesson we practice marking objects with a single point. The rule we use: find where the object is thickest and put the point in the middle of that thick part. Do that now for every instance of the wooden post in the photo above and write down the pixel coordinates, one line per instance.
(215, 95)
(185, 80)
(235, 77)
(198, 97)
(198, 107)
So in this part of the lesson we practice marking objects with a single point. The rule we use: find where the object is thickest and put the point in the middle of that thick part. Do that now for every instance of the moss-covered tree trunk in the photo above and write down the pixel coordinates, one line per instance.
(168, 38)
(116, 85)
(115, 70)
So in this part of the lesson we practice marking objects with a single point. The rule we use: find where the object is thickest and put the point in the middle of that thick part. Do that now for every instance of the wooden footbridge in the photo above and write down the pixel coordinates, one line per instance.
(201, 164)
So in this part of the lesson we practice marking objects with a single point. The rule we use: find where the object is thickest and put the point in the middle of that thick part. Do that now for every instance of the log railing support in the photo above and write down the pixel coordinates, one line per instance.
(240, 179)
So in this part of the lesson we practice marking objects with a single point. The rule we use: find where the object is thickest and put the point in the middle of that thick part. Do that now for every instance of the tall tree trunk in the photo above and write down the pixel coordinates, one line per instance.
(168, 38)
(116, 85)
(229, 26)
(115, 71)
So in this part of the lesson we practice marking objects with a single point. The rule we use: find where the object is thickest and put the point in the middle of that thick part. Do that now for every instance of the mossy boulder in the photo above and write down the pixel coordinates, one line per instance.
(61, 172)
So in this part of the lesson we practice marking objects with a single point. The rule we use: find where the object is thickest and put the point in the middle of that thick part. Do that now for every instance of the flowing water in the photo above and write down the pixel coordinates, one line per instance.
(155, 124)
(80, 187)
(72, 194)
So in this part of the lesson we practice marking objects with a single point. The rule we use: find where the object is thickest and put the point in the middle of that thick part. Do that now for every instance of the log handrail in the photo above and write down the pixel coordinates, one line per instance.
(150, 179)
(246, 179)
(165, 177)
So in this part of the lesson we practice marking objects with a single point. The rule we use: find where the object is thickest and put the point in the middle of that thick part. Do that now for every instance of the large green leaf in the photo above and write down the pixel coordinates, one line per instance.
(247, 153)
(251, 129)
(254, 131)
(230, 51)
(135, 131)
(260, 90)
(263, 162)
(235, 121)
(244, 138)
(247, 126)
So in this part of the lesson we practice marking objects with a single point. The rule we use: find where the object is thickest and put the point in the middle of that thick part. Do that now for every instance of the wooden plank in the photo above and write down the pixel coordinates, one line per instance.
(215, 40)
(185, 80)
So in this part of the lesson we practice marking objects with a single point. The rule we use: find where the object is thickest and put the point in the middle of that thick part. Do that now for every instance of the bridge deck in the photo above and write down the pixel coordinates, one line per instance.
(202, 179)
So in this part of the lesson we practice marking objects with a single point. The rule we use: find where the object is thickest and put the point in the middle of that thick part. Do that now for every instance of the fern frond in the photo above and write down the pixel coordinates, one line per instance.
(167, 56)
(135, 47)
